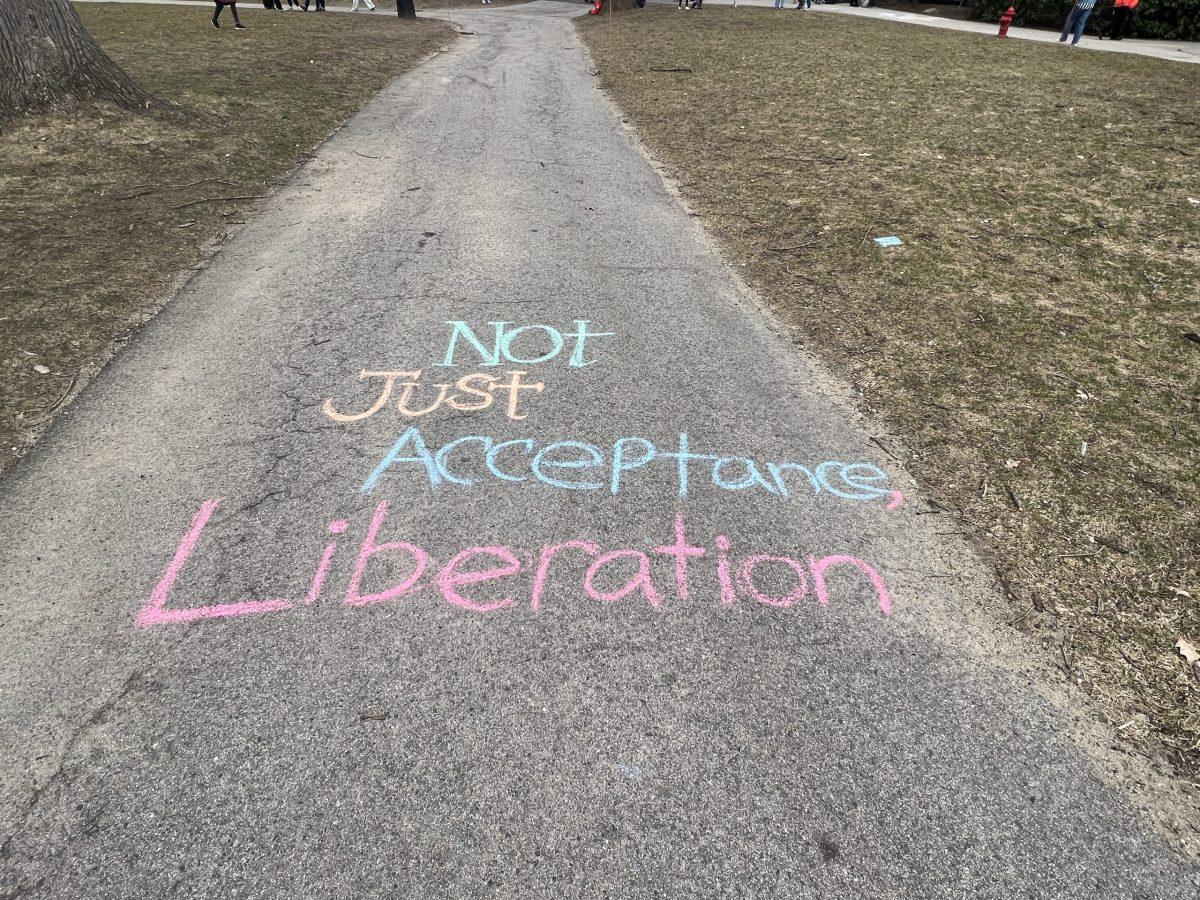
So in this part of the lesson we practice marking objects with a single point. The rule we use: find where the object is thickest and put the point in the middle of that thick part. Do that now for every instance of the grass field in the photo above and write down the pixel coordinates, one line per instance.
(1033, 344)
(100, 211)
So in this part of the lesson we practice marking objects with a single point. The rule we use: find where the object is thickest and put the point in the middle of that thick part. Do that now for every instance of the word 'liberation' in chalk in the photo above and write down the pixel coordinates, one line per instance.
(494, 575)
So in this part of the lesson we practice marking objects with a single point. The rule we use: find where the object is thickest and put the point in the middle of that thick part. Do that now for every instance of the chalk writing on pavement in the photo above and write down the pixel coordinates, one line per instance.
(491, 578)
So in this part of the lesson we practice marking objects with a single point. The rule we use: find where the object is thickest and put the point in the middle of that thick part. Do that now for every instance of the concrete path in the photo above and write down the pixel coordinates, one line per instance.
(252, 649)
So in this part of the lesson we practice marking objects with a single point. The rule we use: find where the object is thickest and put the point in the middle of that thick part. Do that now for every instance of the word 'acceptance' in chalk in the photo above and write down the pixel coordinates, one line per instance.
(580, 466)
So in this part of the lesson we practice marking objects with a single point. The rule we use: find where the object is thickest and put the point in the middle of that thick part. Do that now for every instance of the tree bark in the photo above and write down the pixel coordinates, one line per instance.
(48, 61)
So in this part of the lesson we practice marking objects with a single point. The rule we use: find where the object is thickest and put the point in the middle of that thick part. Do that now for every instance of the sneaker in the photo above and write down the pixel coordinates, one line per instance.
(239, 25)
(216, 24)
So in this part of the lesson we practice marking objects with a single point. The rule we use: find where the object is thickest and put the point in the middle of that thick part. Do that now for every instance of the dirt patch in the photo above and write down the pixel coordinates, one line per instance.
(1032, 340)
(100, 211)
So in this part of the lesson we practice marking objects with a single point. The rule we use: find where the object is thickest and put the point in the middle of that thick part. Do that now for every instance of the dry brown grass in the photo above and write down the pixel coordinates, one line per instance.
(93, 222)
(1028, 342)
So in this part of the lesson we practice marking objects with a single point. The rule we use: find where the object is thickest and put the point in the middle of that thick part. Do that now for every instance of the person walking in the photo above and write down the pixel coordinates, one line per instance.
(354, 5)
(1122, 12)
(221, 4)
(779, 4)
(1076, 20)
(272, 4)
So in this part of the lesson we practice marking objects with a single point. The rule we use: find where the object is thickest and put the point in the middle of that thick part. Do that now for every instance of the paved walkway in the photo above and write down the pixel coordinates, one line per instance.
(464, 529)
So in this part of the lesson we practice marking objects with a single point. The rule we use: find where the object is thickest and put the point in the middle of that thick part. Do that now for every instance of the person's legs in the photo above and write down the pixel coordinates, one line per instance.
(1069, 24)
(1080, 22)
(216, 16)
(1120, 19)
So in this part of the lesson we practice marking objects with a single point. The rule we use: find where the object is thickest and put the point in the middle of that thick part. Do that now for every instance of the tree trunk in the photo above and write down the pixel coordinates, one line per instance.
(49, 61)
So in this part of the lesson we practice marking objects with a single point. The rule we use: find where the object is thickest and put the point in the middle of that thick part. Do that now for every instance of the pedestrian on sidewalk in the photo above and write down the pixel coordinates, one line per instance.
(779, 4)
(1076, 20)
(354, 5)
(272, 4)
(1122, 13)
(232, 4)
(803, 4)
(295, 4)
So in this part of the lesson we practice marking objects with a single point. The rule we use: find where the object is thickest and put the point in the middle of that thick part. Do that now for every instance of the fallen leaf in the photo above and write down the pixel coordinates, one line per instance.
(1188, 651)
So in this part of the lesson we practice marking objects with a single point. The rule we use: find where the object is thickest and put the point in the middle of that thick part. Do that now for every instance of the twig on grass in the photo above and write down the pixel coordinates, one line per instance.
(1078, 555)
(218, 200)
(1067, 667)
(1070, 379)
(1012, 496)
(789, 249)
(142, 189)
(60, 400)
(880, 445)
(1021, 618)
(807, 278)
(670, 69)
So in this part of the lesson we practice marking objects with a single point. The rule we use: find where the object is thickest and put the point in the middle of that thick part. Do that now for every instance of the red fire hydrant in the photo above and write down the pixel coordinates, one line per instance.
(597, 5)
(1006, 20)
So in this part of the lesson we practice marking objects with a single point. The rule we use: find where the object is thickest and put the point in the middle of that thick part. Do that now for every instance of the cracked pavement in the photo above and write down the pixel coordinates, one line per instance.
(415, 748)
